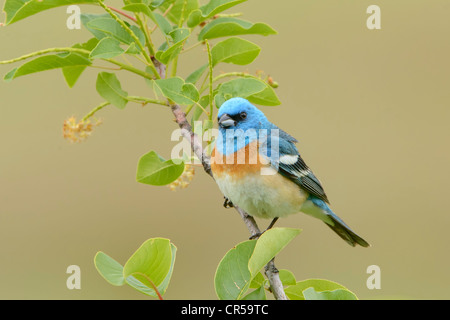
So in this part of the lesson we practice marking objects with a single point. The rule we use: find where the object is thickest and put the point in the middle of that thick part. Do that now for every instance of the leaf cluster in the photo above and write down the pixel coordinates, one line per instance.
(148, 270)
(122, 39)
(240, 271)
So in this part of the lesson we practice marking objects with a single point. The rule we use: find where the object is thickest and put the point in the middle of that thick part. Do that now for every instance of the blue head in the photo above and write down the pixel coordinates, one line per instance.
(238, 113)
(240, 121)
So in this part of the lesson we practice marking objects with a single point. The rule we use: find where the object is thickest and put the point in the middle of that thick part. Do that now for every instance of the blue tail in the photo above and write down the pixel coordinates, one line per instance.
(319, 209)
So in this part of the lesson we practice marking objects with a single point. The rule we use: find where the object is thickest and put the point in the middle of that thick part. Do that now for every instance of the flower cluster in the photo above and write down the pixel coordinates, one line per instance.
(184, 180)
(78, 131)
(268, 79)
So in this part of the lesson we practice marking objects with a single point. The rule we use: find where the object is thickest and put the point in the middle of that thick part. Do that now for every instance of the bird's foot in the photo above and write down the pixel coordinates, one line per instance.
(227, 203)
(259, 234)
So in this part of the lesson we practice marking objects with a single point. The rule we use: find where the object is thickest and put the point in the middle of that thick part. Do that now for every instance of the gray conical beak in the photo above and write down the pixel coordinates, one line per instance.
(226, 121)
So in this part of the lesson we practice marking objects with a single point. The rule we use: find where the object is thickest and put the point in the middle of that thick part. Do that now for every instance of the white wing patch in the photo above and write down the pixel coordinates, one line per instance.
(289, 159)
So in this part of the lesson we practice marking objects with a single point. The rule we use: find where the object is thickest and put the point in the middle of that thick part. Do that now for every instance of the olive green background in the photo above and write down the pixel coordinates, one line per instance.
(369, 107)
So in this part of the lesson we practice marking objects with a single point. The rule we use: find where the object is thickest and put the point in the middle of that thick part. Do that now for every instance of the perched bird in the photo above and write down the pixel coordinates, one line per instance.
(259, 169)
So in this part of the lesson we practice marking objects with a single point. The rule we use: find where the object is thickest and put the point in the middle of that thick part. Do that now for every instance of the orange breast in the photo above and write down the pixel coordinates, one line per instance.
(244, 161)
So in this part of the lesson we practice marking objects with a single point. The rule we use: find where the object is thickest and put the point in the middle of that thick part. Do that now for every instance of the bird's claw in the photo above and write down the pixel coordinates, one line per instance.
(227, 203)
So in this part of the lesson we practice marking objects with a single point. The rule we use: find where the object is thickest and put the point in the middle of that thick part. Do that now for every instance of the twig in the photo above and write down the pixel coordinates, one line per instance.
(187, 132)
(93, 111)
(122, 13)
(276, 286)
(249, 221)
(144, 100)
(192, 47)
(82, 52)
(45, 51)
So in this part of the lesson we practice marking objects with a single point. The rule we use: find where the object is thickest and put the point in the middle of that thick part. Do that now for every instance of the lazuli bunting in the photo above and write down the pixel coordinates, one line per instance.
(259, 169)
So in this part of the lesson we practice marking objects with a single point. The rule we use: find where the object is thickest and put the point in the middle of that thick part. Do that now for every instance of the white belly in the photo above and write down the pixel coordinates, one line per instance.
(263, 196)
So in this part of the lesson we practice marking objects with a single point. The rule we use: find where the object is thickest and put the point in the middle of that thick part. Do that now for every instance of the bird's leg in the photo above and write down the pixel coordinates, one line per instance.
(259, 234)
(227, 203)
(272, 224)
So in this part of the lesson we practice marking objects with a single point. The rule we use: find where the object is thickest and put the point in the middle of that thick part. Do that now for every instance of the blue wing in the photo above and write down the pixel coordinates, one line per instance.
(290, 164)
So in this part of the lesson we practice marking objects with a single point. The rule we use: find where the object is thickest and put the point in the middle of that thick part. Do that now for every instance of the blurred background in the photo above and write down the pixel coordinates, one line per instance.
(370, 109)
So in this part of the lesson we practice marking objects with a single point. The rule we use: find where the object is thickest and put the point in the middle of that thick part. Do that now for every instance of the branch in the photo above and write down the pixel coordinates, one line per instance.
(196, 144)
(186, 130)
(276, 286)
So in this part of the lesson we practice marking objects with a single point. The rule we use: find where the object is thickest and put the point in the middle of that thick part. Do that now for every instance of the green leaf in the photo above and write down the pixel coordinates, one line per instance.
(107, 48)
(109, 269)
(234, 50)
(176, 90)
(108, 86)
(242, 264)
(240, 87)
(20, 9)
(156, 3)
(179, 36)
(132, 49)
(103, 26)
(138, 8)
(86, 18)
(255, 90)
(151, 263)
(141, 287)
(10, 75)
(157, 18)
(195, 76)
(162, 23)
(71, 74)
(225, 27)
(267, 97)
(210, 9)
(165, 283)
(233, 277)
(287, 277)
(295, 292)
(269, 245)
(257, 281)
(177, 12)
(155, 171)
(258, 294)
(136, 284)
(48, 62)
(338, 294)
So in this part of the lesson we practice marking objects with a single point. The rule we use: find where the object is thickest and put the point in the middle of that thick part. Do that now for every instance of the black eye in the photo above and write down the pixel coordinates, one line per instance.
(243, 115)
